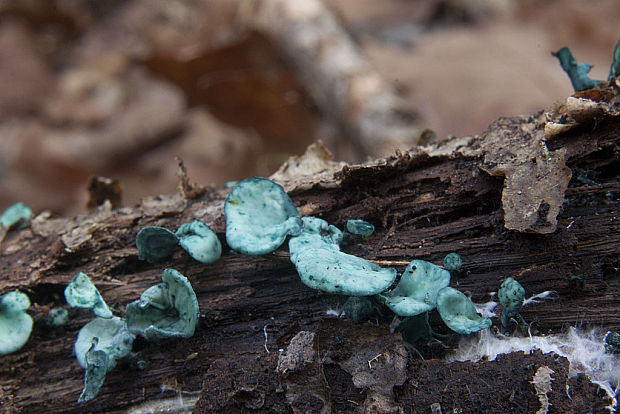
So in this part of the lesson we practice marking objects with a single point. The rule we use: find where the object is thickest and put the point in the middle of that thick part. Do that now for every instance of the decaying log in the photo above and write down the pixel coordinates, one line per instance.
(425, 203)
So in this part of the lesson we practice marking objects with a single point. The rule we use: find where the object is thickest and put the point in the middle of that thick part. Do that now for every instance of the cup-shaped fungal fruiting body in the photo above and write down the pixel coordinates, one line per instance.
(612, 342)
(166, 310)
(321, 265)
(113, 338)
(358, 308)
(333, 271)
(417, 290)
(99, 345)
(459, 313)
(318, 227)
(15, 214)
(316, 233)
(58, 317)
(200, 242)
(511, 296)
(360, 227)
(259, 217)
(15, 323)
(155, 243)
(452, 262)
(82, 293)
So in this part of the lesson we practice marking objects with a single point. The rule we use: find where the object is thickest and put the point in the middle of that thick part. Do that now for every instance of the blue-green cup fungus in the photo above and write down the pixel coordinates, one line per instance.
(99, 345)
(17, 214)
(360, 228)
(417, 290)
(166, 310)
(321, 265)
(316, 233)
(333, 271)
(259, 217)
(58, 317)
(511, 296)
(612, 342)
(155, 243)
(452, 262)
(459, 313)
(15, 323)
(200, 242)
(82, 293)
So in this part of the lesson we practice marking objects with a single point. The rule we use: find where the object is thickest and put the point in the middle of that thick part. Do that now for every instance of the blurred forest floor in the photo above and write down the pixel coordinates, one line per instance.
(119, 88)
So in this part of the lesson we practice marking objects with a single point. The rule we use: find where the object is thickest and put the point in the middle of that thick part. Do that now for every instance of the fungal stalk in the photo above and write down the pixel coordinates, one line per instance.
(99, 345)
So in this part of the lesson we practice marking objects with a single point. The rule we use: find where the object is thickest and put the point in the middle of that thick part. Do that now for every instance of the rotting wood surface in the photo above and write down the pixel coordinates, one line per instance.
(425, 203)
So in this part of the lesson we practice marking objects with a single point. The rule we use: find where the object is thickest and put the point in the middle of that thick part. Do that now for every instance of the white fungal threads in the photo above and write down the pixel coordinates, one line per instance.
(265, 344)
(585, 352)
(548, 294)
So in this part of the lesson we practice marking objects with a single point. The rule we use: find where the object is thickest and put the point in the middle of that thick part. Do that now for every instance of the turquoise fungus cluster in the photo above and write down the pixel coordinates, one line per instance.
(166, 310)
(260, 218)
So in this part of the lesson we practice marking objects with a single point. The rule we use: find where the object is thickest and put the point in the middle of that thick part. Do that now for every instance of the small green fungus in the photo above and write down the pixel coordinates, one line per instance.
(459, 313)
(155, 243)
(511, 296)
(316, 233)
(417, 290)
(99, 345)
(166, 310)
(82, 293)
(15, 323)
(360, 227)
(578, 73)
(415, 328)
(16, 215)
(333, 271)
(578, 281)
(612, 342)
(321, 265)
(259, 217)
(200, 242)
(453, 262)
(96, 369)
(58, 317)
